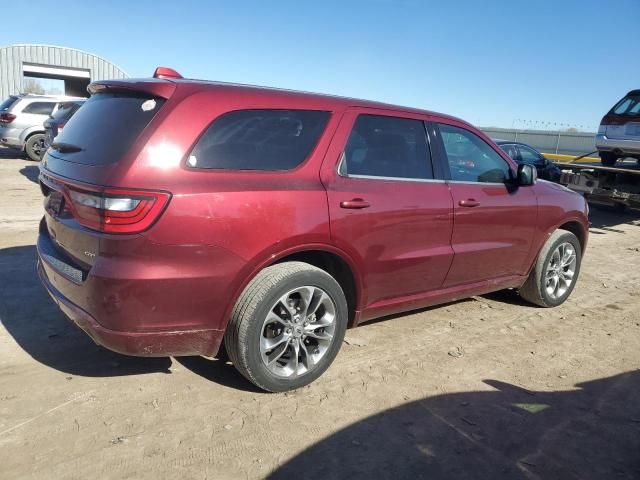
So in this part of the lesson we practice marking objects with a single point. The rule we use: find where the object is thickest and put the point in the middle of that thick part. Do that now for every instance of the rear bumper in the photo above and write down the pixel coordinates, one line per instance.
(144, 344)
(606, 144)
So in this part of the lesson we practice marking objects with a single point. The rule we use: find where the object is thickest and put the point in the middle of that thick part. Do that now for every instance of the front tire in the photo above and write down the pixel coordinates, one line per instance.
(555, 272)
(34, 147)
(287, 326)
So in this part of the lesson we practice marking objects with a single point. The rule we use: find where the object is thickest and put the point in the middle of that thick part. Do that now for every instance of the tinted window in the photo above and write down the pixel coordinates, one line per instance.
(381, 146)
(39, 108)
(8, 103)
(104, 128)
(259, 140)
(529, 155)
(471, 159)
(66, 110)
(629, 105)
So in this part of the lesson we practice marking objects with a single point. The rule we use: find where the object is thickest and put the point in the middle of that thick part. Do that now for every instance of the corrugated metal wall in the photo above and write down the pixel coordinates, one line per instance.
(13, 56)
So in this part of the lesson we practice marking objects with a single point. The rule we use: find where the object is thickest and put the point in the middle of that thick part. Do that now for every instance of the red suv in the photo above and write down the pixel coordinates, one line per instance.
(183, 214)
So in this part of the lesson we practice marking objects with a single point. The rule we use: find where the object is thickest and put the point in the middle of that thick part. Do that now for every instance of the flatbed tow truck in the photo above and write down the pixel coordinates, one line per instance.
(618, 185)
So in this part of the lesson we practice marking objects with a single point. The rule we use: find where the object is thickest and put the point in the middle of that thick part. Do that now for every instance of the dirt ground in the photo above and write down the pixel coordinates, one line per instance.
(487, 387)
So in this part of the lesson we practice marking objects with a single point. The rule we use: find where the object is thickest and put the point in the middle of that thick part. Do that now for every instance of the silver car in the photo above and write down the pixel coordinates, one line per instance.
(22, 120)
(619, 132)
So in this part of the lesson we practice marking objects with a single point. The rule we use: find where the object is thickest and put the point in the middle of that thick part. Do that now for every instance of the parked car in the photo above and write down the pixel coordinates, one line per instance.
(56, 122)
(21, 121)
(526, 154)
(619, 132)
(180, 214)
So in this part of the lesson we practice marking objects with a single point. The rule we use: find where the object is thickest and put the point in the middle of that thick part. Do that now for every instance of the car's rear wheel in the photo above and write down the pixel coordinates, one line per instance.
(608, 159)
(34, 147)
(287, 326)
(555, 272)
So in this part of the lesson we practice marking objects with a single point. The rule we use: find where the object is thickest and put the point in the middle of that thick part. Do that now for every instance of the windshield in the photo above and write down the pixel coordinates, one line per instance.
(104, 129)
(628, 106)
(66, 110)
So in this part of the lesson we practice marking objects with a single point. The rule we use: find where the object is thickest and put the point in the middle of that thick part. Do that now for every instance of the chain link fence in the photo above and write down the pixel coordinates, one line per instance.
(563, 143)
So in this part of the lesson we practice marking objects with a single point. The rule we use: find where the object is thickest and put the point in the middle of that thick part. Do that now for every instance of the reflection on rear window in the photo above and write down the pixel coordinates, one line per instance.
(104, 129)
(259, 140)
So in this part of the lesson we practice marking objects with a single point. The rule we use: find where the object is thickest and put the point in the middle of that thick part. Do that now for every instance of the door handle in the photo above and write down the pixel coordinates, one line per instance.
(356, 203)
(469, 202)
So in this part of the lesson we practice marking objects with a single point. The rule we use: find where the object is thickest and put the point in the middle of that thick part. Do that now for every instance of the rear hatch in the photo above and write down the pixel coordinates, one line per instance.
(623, 121)
(79, 175)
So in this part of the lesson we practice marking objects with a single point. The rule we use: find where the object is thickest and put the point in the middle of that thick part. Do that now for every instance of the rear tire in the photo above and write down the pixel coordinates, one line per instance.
(555, 272)
(287, 326)
(34, 147)
(608, 159)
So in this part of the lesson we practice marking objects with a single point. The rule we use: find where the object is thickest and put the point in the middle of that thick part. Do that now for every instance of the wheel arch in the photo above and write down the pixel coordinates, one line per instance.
(326, 257)
(577, 229)
(30, 132)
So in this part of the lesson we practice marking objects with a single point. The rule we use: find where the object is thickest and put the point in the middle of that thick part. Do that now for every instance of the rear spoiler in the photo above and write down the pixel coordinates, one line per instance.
(156, 87)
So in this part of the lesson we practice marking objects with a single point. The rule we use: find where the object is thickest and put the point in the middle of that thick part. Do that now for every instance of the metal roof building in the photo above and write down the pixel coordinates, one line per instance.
(76, 68)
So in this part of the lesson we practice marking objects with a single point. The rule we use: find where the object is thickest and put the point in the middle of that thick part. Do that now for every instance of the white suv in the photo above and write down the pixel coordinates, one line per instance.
(22, 118)
(619, 132)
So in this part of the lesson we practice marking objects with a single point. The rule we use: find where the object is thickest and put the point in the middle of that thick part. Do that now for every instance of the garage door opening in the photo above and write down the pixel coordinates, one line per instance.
(56, 80)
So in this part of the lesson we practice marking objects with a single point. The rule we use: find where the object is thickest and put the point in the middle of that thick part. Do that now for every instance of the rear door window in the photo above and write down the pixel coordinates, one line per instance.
(471, 159)
(530, 156)
(39, 108)
(105, 128)
(389, 147)
(511, 150)
(259, 140)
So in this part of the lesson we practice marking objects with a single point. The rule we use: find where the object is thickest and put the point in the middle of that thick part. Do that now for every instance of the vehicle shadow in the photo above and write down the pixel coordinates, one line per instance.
(39, 327)
(218, 370)
(506, 433)
(11, 153)
(603, 219)
(31, 172)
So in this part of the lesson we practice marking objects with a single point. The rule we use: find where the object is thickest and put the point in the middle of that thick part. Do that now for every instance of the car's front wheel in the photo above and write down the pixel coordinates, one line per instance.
(34, 147)
(287, 326)
(555, 272)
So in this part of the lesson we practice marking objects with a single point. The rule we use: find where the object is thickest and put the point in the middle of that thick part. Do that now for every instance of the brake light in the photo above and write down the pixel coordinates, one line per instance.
(7, 117)
(117, 211)
(166, 72)
(60, 126)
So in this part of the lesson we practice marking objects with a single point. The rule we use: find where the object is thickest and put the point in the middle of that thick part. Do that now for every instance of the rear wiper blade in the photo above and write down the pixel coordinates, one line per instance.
(65, 147)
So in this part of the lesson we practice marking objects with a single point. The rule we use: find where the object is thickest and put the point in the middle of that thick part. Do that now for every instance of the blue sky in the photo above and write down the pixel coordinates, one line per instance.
(492, 63)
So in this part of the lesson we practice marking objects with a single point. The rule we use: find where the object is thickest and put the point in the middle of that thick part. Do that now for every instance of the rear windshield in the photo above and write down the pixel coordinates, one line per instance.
(8, 103)
(629, 105)
(259, 140)
(104, 128)
(66, 110)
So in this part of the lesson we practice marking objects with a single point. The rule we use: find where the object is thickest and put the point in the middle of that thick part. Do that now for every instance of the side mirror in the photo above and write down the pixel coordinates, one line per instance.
(527, 175)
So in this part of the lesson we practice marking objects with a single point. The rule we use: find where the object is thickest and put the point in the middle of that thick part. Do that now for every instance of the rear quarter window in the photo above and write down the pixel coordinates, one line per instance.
(259, 140)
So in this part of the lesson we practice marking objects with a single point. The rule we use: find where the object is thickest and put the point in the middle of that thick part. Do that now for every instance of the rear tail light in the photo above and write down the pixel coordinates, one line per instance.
(602, 129)
(117, 211)
(7, 117)
(60, 126)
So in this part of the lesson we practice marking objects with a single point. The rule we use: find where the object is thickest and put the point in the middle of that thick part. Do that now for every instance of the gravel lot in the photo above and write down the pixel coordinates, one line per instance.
(482, 388)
